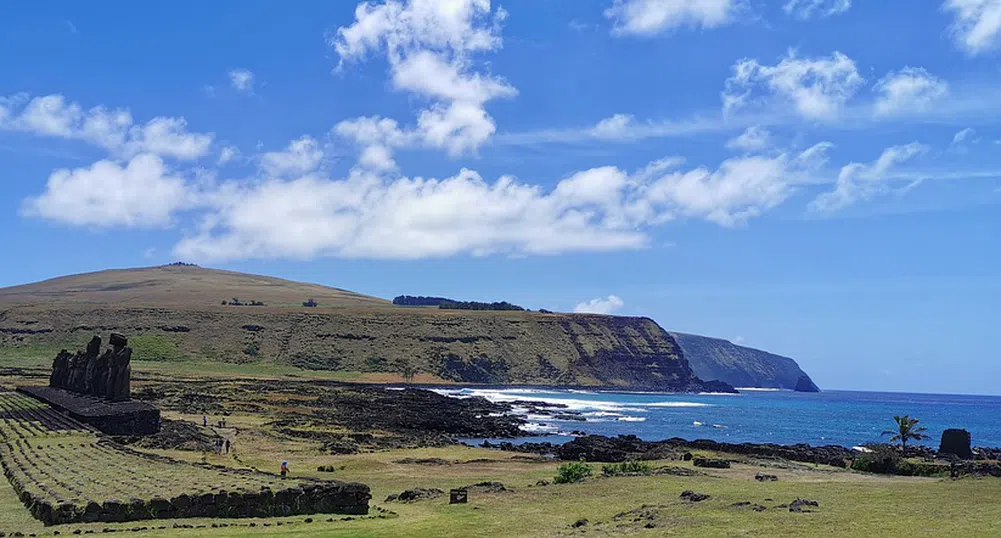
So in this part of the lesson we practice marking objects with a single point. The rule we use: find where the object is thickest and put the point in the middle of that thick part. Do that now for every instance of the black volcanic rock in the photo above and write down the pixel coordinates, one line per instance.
(718, 359)
(956, 442)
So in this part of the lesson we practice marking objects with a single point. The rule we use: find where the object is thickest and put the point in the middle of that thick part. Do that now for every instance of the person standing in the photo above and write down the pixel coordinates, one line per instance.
(205, 421)
(284, 468)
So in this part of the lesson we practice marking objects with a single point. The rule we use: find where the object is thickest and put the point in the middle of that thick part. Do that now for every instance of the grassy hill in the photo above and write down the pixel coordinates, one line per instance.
(185, 286)
(173, 316)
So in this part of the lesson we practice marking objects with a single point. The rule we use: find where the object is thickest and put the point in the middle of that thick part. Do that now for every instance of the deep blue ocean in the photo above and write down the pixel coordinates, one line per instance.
(831, 417)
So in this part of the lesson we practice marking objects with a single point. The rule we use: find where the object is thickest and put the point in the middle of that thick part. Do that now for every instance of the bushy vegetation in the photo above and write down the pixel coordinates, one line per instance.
(888, 459)
(155, 347)
(627, 468)
(451, 304)
(474, 305)
(252, 349)
(310, 303)
(571, 472)
(419, 300)
(237, 302)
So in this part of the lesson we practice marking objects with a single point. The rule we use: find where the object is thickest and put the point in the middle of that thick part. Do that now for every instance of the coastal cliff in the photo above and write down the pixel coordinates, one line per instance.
(437, 346)
(715, 358)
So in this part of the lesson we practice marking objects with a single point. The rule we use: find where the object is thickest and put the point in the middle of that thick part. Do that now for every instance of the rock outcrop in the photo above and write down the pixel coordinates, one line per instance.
(957, 443)
(718, 359)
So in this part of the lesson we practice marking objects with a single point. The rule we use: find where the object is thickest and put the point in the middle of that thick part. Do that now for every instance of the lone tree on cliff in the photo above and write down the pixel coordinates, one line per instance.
(907, 429)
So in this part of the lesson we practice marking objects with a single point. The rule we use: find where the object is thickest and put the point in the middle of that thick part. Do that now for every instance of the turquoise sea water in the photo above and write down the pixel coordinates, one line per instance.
(831, 417)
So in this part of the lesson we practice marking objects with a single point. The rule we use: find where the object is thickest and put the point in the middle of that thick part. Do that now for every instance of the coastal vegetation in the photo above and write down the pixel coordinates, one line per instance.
(907, 430)
(572, 471)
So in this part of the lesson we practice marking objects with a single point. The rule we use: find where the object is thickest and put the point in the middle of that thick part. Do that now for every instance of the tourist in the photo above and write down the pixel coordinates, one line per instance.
(226, 445)
(284, 468)
(205, 421)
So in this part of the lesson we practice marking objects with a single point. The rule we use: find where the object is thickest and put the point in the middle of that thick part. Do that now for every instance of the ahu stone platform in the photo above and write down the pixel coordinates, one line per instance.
(112, 418)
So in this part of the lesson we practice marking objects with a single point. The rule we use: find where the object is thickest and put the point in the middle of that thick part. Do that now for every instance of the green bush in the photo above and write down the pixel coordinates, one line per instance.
(626, 468)
(886, 459)
(253, 349)
(574, 471)
(155, 347)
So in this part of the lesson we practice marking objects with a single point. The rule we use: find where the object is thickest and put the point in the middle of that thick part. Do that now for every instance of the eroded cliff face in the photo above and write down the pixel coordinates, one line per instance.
(715, 358)
(451, 346)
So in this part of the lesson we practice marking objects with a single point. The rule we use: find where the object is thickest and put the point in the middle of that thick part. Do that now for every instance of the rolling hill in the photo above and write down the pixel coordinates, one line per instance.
(181, 285)
(175, 313)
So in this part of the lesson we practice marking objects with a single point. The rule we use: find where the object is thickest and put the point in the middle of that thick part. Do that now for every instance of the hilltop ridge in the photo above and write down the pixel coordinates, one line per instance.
(180, 284)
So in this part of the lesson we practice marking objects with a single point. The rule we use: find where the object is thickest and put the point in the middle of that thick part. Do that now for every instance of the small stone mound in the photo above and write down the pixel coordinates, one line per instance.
(416, 494)
(691, 496)
(487, 487)
(749, 504)
(579, 523)
(798, 505)
(676, 471)
(711, 463)
(761, 477)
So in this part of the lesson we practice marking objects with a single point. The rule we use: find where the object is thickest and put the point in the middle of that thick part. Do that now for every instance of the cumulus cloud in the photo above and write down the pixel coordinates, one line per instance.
(907, 90)
(752, 139)
(863, 182)
(370, 215)
(809, 9)
(301, 156)
(143, 193)
(976, 25)
(111, 129)
(613, 127)
(430, 46)
(242, 80)
(816, 88)
(606, 305)
(652, 17)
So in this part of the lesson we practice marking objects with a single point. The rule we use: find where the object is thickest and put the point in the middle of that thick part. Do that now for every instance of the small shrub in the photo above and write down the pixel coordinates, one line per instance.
(627, 468)
(574, 471)
(253, 349)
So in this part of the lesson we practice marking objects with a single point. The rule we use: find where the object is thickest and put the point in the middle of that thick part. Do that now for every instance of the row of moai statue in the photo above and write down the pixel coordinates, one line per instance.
(90, 372)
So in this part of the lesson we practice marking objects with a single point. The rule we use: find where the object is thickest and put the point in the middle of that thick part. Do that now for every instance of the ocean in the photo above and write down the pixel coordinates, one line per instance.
(845, 418)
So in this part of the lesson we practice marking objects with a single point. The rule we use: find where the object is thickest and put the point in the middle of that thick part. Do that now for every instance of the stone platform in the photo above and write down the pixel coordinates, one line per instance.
(113, 418)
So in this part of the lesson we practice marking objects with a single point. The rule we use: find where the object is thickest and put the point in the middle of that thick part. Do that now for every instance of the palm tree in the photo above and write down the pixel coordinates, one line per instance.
(907, 429)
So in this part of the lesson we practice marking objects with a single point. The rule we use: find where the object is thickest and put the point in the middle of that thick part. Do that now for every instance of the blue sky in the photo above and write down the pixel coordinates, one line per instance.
(817, 178)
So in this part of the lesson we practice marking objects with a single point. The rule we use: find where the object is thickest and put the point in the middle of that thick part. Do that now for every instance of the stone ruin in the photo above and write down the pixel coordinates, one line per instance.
(104, 375)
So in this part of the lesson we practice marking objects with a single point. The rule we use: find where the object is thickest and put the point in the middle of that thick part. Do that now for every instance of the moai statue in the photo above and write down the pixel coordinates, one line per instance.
(60, 370)
(87, 378)
(99, 375)
(121, 369)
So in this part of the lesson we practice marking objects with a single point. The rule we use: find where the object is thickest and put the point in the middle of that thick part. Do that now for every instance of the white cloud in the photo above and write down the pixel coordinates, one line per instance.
(742, 188)
(817, 88)
(242, 80)
(377, 137)
(300, 157)
(141, 194)
(908, 90)
(808, 9)
(962, 140)
(651, 17)
(368, 215)
(752, 139)
(614, 127)
(112, 130)
(976, 24)
(600, 305)
(227, 154)
(863, 182)
(429, 45)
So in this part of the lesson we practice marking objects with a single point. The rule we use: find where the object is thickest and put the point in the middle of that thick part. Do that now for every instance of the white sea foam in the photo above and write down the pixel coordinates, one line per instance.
(697, 423)
(536, 427)
(631, 419)
(758, 389)
(677, 404)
